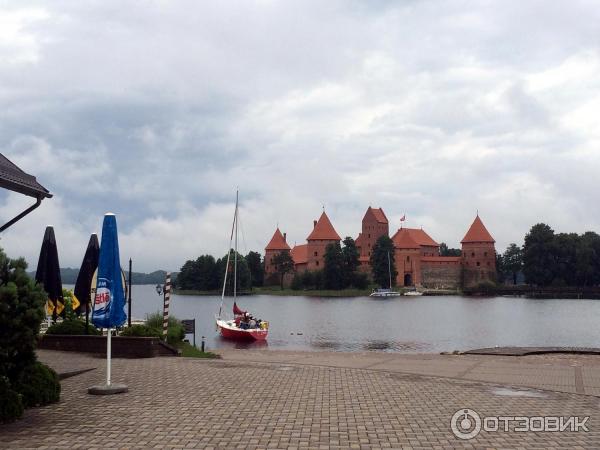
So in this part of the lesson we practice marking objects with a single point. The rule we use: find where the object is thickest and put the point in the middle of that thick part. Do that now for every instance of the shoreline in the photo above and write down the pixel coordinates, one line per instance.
(311, 293)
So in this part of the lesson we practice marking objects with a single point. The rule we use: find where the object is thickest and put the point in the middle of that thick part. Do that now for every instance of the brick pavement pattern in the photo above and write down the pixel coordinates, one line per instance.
(191, 403)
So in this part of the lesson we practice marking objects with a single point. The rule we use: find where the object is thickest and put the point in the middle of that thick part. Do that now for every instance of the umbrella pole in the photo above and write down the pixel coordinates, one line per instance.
(109, 387)
(108, 351)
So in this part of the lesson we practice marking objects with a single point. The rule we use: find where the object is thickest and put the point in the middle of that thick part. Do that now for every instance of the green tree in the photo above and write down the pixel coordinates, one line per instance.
(379, 262)
(512, 261)
(257, 268)
(539, 262)
(21, 314)
(334, 268)
(206, 272)
(284, 264)
(243, 273)
(188, 276)
(445, 251)
(564, 249)
(23, 381)
(588, 260)
(350, 256)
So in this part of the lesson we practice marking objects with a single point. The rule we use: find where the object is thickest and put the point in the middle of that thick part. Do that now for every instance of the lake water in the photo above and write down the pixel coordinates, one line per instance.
(403, 324)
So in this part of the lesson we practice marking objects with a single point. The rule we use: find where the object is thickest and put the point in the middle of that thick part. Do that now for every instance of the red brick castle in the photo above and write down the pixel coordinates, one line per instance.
(417, 255)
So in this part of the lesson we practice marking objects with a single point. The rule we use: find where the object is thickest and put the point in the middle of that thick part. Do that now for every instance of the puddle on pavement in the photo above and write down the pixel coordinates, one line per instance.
(511, 392)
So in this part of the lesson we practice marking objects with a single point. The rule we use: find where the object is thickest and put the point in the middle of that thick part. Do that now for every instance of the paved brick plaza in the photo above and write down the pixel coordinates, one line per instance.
(232, 403)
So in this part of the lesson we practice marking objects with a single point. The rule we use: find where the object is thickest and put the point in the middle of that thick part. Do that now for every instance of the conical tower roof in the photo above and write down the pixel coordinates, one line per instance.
(277, 242)
(477, 233)
(323, 230)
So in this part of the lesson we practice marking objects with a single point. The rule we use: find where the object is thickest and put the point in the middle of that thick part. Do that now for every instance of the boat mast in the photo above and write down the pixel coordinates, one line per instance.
(235, 249)
(233, 226)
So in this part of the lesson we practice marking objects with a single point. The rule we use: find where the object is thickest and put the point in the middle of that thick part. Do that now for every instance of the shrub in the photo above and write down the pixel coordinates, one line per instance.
(72, 327)
(21, 313)
(175, 332)
(296, 284)
(38, 385)
(11, 405)
(360, 280)
(142, 331)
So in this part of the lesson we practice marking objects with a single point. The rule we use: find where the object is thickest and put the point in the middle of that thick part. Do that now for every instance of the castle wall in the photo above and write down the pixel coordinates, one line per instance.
(441, 274)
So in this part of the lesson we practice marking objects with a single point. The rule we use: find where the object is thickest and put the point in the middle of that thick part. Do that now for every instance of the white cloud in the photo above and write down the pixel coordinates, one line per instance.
(433, 110)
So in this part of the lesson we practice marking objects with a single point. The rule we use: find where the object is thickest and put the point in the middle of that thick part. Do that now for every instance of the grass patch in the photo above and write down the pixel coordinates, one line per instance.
(189, 351)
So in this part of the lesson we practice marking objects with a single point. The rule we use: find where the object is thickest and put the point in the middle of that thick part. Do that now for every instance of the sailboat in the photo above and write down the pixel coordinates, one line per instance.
(242, 327)
(386, 292)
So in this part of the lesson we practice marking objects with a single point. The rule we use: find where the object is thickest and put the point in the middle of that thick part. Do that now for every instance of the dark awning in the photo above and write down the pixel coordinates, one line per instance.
(14, 179)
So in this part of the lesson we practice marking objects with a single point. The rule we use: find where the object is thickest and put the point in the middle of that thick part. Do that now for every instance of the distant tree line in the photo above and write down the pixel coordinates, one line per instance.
(207, 274)
(550, 259)
(69, 276)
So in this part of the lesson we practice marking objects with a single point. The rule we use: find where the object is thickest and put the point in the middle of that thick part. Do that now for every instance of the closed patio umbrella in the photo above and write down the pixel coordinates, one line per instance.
(83, 285)
(48, 274)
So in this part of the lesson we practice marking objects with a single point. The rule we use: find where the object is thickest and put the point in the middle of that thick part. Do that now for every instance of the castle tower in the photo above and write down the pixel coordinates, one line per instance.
(478, 255)
(407, 254)
(321, 236)
(374, 225)
(277, 245)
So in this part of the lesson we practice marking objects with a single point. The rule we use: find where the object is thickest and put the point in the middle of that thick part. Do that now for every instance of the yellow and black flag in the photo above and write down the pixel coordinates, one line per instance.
(48, 274)
(83, 285)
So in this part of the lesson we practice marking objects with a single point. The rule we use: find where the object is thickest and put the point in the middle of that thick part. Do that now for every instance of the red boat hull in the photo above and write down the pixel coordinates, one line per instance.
(243, 335)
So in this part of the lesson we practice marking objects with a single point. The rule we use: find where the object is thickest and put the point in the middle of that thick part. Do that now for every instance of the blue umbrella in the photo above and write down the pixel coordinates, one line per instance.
(109, 304)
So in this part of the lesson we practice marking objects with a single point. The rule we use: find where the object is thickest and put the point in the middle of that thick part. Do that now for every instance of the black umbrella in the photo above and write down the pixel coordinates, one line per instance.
(48, 274)
(83, 286)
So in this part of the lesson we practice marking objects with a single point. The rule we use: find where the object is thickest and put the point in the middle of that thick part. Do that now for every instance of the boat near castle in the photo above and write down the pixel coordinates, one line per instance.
(242, 327)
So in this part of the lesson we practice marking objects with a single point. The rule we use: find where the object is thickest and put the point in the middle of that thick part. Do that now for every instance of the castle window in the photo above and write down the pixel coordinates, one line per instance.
(477, 263)
(408, 259)
(484, 253)
(317, 263)
(315, 253)
(369, 235)
(473, 254)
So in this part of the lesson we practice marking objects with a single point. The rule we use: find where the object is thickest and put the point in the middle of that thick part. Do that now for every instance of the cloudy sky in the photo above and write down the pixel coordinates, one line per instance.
(156, 111)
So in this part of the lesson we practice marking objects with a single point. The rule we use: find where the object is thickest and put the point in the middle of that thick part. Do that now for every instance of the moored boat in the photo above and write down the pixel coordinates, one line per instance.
(384, 293)
(229, 330)
(414, 293)
(242, 327)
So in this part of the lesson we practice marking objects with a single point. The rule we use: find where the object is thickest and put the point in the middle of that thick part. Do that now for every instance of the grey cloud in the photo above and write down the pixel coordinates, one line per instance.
(425, 108)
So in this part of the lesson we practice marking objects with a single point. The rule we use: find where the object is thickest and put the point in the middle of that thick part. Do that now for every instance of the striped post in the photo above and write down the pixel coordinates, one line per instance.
(167, 294)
